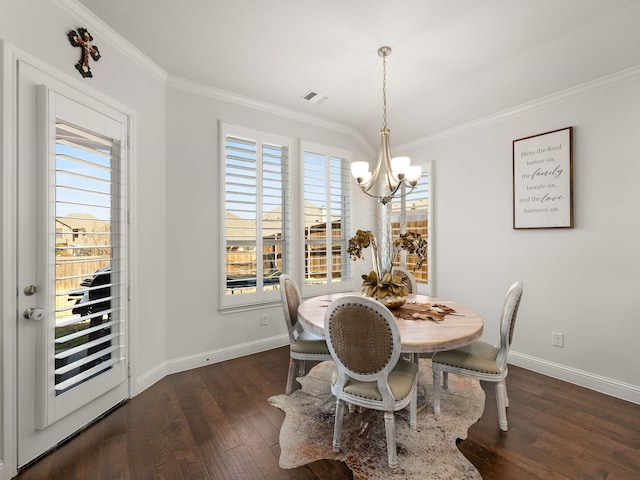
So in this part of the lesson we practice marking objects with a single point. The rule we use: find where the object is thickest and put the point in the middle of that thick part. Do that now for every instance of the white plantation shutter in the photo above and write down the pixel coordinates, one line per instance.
(256, 211)
(275, 209)
(89, 260)
(412, 213)
(326, 216)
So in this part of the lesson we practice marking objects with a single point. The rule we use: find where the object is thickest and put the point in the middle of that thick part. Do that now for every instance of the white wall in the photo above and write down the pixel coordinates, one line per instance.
(582, 282)
(197, 331)
(37, 29)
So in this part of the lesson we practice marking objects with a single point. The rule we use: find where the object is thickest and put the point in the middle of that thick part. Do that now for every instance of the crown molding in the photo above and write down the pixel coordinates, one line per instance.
(608, 81)
(96, 25)
(83, 14)
(249, 102)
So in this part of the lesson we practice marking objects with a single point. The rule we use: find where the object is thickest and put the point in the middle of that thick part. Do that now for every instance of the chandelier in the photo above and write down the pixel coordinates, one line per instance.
(397, 171)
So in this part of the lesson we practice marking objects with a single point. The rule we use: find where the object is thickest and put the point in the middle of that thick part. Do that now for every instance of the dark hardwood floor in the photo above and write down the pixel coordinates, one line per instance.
(215, 422)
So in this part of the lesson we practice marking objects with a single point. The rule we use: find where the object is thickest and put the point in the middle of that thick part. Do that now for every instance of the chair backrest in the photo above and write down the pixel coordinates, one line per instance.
(290, 294)
(364, 340)
(508, 321)
(407, 279)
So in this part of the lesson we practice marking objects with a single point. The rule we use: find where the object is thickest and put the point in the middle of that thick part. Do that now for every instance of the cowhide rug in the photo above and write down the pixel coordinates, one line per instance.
(430, 452)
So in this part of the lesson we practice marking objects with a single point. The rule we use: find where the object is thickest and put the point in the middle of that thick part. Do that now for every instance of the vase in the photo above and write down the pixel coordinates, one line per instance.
(390, 291)
(392, 301)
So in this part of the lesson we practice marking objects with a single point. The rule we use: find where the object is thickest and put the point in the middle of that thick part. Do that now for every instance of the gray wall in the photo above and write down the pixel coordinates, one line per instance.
(37, 29)
(197, 329)
(582, 282)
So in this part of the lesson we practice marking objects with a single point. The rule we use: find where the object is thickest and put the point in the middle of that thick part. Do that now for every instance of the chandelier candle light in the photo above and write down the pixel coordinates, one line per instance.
(398, 170)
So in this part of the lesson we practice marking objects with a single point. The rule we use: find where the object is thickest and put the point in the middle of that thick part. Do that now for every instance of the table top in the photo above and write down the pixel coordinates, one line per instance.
(416, 335)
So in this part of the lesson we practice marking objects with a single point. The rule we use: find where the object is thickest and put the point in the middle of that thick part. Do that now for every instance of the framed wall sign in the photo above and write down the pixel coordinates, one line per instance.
(543, 180)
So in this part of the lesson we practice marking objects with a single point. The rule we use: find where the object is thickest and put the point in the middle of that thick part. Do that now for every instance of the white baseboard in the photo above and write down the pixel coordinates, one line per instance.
(150, 377)
(608, 386)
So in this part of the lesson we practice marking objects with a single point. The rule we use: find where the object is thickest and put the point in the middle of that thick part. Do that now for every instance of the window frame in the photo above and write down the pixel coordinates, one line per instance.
(261, 138)
(425, 288)
(346, 282)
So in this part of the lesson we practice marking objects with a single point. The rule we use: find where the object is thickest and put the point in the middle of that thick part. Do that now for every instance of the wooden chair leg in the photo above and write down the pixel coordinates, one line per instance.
(291, 376)
(389, 422)
(506, 395)
(337, 428)
(436, 391)
(502, 410)
(445, 380)
(413, 411)
(302, 368)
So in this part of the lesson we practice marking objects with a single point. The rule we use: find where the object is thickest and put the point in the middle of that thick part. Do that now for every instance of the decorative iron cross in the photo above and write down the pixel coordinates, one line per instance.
(82, 39)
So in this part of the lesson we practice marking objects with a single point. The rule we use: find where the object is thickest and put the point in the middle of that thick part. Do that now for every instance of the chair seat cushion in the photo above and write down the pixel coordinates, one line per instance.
(308, 343)
(401, 379)
(479, 357)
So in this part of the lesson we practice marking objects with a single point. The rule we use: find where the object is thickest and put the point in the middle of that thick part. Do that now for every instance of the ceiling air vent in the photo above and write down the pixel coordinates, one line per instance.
(314, 97)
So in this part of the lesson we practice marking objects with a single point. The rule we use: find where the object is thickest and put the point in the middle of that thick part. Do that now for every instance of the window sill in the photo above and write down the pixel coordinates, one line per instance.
(249, 307)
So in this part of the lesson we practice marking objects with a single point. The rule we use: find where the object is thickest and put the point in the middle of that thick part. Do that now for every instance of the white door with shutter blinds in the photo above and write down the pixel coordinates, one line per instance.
(72, 261)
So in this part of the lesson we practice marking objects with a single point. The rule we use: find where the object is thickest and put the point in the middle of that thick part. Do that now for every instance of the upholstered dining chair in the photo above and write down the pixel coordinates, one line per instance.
(303, 345)
(407, 279)
(481, 360)
(364, 340)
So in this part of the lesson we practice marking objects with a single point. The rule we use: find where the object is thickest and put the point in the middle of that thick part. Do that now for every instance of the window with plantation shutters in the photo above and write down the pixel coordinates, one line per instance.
(256, 214)
(327, 206)
(89, 255)
(412, 213)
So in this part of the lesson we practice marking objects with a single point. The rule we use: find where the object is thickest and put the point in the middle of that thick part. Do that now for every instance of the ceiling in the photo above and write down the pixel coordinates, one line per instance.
(452, 61)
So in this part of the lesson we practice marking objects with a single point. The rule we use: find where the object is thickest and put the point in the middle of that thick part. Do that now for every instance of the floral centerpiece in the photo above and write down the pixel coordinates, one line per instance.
(381, 284)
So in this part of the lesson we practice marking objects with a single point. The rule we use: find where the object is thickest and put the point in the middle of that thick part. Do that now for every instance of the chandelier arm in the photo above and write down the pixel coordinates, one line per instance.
(386, 199)
(366, 187)
(366, 192)
(380, 198)
(384, 148)
(385, 156)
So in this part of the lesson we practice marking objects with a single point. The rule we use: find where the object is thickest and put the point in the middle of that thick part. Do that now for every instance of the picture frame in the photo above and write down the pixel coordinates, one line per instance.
(543, 180)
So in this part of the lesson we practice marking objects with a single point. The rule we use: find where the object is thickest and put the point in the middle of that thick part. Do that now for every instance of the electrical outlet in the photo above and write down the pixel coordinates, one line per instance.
(264, 319)
(557, 339)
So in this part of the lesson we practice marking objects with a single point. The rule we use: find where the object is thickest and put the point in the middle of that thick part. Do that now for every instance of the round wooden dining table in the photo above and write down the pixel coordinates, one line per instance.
(456, 329)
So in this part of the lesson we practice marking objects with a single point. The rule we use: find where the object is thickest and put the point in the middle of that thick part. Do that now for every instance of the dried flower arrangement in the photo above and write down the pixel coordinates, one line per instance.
(380, 284)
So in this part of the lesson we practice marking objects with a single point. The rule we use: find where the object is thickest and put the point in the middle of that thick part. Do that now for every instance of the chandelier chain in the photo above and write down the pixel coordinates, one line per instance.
(384, 90)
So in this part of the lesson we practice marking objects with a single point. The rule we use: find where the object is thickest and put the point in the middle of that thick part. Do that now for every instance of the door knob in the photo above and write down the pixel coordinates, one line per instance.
(30, 290)
(33, 314)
